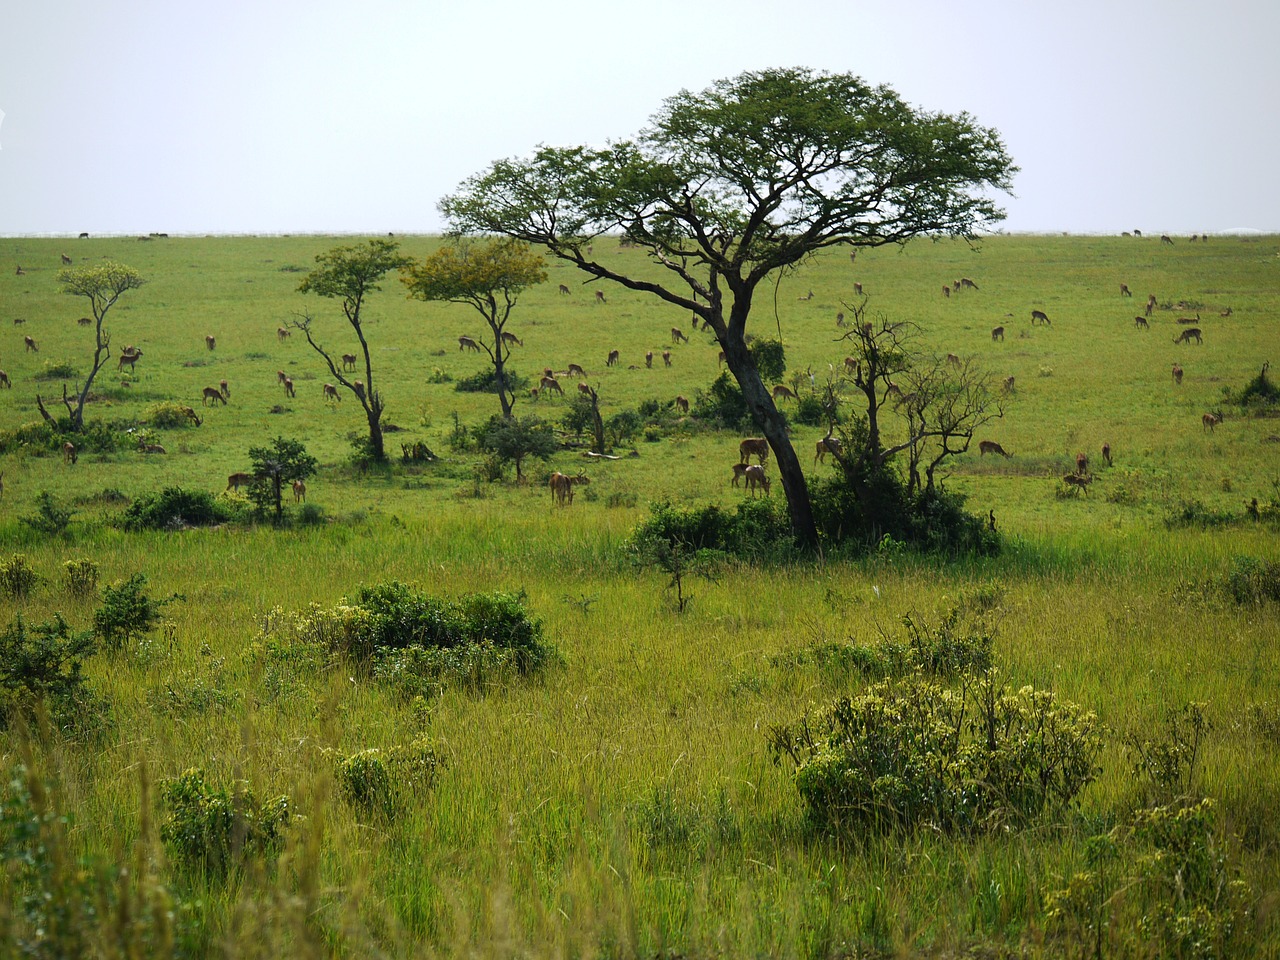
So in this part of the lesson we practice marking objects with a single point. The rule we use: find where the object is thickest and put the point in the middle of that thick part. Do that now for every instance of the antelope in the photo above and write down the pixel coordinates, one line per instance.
(852, 365)
(997, 333)
(1124, 290)
(575, 370)
(990, 446)
(857, 288)
(349, 361)
(739, 469)
(677, 335)
(966, 282)
(648, 359)
(1041, 316)
(130, 358)
(666, 358)
(756, 477)
(1106, 453)
(1165, 238)
(955, 285)
(808, 296)
(238, 480)
(840, 319)
(283, 334)
(548, 372)
(66, 261)
(288, 387)
(951, 359)
(600, 297)
(214, 395)
(1186, 320)
(331, 393)
(682, 404)
(564, 290)
(210, 342)
(826, 445)
(151, 448)
(85, 321)
(4, 380)
(1082, 464)
(1078, 482)
(191, 415)
(357, 387)
(1189, 334)
(299, 491)
(782, 392)
(281, 376)
(1225, 313)
(1008, 384)
(753, 446)
(1141, 322)
(613, 359)
(551, 383)
(1209, 421)
(562, 487)
(946, 290)
(510, 338)
(224, 389)
(31, 345)
(1177, 374)
(21, 272)
(584, 388)
(69, 454)
(720, 359)
(466, 343)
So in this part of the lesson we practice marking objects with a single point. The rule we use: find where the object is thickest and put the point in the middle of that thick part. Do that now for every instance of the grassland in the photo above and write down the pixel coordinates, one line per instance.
(624, 803)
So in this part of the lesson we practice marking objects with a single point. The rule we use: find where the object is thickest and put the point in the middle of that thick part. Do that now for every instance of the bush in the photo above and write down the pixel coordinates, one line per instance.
(57, 370)
(758, 528)
(810, 411)
(17, 578)
(127, 612)
(1193, 513)
(80, 577)
(486, 381)
(1253, 581)
(211, 831)
(378, 783)
(622, 427)
(44, 664)
(168, 416)
(770, 358)
(722, 405)
(50, 516)
(913, 752)
(943, 649)
(174, 508)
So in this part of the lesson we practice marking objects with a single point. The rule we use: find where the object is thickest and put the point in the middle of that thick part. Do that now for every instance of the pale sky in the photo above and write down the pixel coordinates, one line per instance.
(301, 116)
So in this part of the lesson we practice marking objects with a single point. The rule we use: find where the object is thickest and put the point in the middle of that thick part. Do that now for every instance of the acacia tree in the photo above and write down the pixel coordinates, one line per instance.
(350, 274)
(747, 178)
(488, 275)
(102, 285)
(283, 462)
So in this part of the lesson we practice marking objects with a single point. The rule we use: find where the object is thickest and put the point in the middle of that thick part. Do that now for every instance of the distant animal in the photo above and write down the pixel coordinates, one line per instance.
(283, 334)
(224, 389)
(648, 359)
(299, 491)
(1189, 334)
(990, 446)
(951, 359)
(584, 389)
(720, 359)
(575, 371)
(857, 288)
(1186, 320)
(1225, 313)
(782, 392)
(840, 319)
(807, 296)
(1008, 384)
(600, 297)
(69, 454)
(613, 359)
(66, 261)
(997, 333)
(562, 487)
(1078, 482)
(946, 290)
(510, 338)
(826, 445)
(1082, 464)
(1124, 290)
(1165, 238)
(753, 447)
(1210, 420)
(682, 404)
(966, 282)
(85, 321)
(130, 358)
(18, 321)
(191, 415)
(1177, 374)
(331, 393)
(84, 236)
(212, 395)
(564, 290)
(1141, 322)
(210, 342)
(1137, 233)
(739, 470)
(31, 344)
(288, 387)
(1039, 316)
(238, 480)
(1106, 453)
(466, 343)
(4, 380)
(348, 361)
(666, 358)
(756, 477)
(851, 365)
(677, 335)
(357, 387)
(151, 448)
(21, 272)
(551, 383)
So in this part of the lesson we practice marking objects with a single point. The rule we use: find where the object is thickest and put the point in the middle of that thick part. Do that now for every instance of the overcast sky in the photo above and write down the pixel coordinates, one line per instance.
(291, 116)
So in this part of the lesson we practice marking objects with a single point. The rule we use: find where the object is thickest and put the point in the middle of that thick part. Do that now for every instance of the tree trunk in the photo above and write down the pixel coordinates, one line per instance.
(376, 449)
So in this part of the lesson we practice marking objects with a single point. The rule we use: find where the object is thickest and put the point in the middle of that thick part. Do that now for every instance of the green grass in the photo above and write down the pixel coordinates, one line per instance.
(624, 803)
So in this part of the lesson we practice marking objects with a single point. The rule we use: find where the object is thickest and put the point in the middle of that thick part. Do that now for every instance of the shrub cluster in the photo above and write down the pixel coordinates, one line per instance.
(757, 528)
(486, 381)
(168, 415)
(211, 831)
(17, 577)
(1252, 580)
(378, 783)
(176, 507)
(127, 612)
(43, 664)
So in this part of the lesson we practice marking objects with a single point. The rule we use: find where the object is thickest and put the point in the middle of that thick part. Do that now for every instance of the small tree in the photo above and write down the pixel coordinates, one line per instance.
(489, 275)
(102, 285)
(283, 462)
(350, 274)
(512, 440)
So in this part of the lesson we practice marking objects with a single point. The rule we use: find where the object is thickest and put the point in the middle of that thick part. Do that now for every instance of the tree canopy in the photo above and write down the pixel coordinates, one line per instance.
(748, 177)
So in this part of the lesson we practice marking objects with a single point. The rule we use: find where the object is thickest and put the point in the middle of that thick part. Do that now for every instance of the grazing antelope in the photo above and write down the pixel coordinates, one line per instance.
(299, 491)
(955, 285)
(66, 261)
(31, 344)
(4, 380)
(69, 454)
(85, 321)
(1177, 374)
(840, 319)
(720, 359)
(990, 446)
(212, 395)
(551, 383)
(782, 392)
(966, 282)
(210, 342)
(562, 487)
(613, 359)
(349, 361)
(564, 290)
(584, 389)
(946, 290)
(575, 371)
(130, 358)
(511, 338)
(1082, 464)
(666, 358)
(1008, 384)
(548, 372)
(1106, 453)
(466, 343)
(753, 446)
(1124, 290)
(756, 477)
(1189, 334)
(648, 359)
(238, 480)
(951, 359)
(224, 389)
(1165, 238)
(852, 365)
(1209, 421)
(191, 415)
(288, 387)
(357, 387)
(997, 333)
(1141, 322)
(677, 335)
(1078, 482)
(600, 297)
(331, 393)
(1041, 316)
(281, 376)
(808, 296)
(682, 404)
(283, 334)
(826, 445)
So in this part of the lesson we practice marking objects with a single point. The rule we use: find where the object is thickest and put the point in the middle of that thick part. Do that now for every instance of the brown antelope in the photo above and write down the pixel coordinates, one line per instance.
(130, 358)
(331, 393)
(281, 376)
(357, 387)
(548, 372)
(511, 338)
(1165, 238)
(349, 361)
(826, 445)
(466, 343)
(224, 389)
(1078, 482)
(839, 319)
(584, 388)
(1186, 320)
(782, 392)
(283, 334)
(210, 342)
(1008, 384)
(1124, 290)
(21, 272)
(997, 333)
(857, 288)
(613, 359)
(682, 404)
(1040, 316)
(4, 380)
(720, 359)
(564, 290)
(648, 359)
(299, 491)
(1189, 334)
(562, 487)
(551, 383)
(238, 480)
(1177, 374)
(85, 321)
(756, 477)
(1082, 464)
(31, 344)
(533, 394)
(853, 256)
(951, 359)
(1225, 313)
(600, 297)
(288, 387)
(666, 358)
(851, 365)
(212, 395)
(946, 290)
(191, 415)
(753, 447)
(1106, 453)
(575, 371)
(66, 261)
(739, 470)
(1210, 420)
(955, 285)
(990, 446)
(677, 336)
(966, 282)
(69, 454)
(151, 448)
(1141, 322)
(808, 296)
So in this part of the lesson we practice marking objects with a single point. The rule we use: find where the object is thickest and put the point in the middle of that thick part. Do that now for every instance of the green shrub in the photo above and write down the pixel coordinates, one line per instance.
(1193, 513)
(50, 517)
(57, 370)
(1253, 581)
(378, 783)
(80, 577)
(176, 507)
(1165, 763)
(212, 831)
(757, 528)
(622, 427)
(127, 612)
(810, 411)
(913, 752)
(44, 664)
(17, 578)
(169, 416)
(722, 405)
(486, 381)
(770, 358)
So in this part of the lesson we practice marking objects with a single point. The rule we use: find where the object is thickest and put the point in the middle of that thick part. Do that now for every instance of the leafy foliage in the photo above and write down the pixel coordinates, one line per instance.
(1253, 580)
(174, 508)
(80, 577)
(281, 463)
(127, 612)
(211, 831)
(513, 439)
(51, 517)
(378, 783)
(46, 664)
(757, 528)
(17, 577)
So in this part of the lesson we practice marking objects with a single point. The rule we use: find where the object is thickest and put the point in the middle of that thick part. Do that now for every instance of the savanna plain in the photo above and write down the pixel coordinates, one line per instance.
(626, 799)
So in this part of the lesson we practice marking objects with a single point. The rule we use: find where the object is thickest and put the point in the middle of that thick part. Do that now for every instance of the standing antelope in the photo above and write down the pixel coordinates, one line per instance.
(1041, 316)
(1106, 453)
(946, 290)
(299, 491)
(210, 342)
(130, 358)
(682, 404)
(781, 392)
(600, 297)
(1210, 420)
(1082, 464)
(349, 361)
(31, 344)
(224, 389)
(826, 445)
(212, 395)
(69, 454)
(564, 291)
(1141, 322)
(1124, 290)
(575, 371)
(648, 359)
(857, 288)
(756, 477)
(288, 387)
(511, 338)
(1177, 374)
(1078, 482)
(966, 282)
(997, 333)
(466, 343)
(666, 358)
(613, 359)
(1008, 384)
(357, 387)
(283, 334)
(4, 380)
(551, 383)
(753, 446)
(238, 480)
(66, 261)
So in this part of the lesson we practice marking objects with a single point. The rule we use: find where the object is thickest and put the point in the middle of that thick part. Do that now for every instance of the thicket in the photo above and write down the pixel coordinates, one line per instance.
(486, 381)
(211, 832)
(378, 784)
(44, 664)
(755, 529)
(128, 612)
(176, 507)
